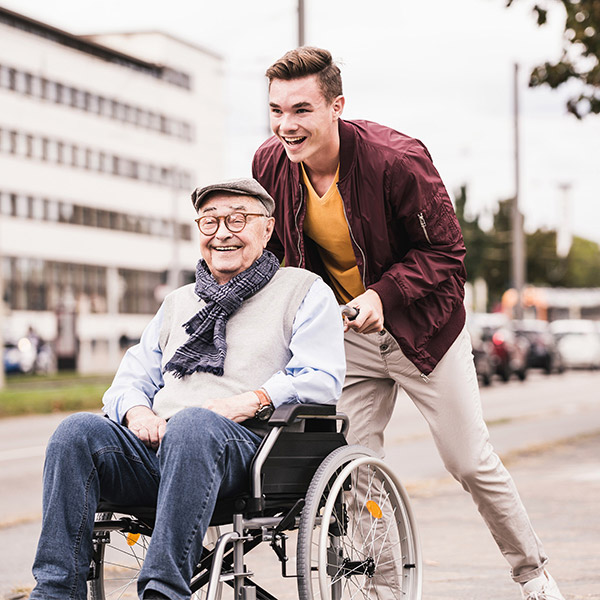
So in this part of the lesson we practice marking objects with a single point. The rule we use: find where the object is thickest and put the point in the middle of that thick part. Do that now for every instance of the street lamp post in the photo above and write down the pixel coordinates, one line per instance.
(2, 377)
(300, 22)
(518, 238)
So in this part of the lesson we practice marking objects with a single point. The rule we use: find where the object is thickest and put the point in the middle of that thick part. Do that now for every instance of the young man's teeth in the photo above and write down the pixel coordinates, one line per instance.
(294, 140)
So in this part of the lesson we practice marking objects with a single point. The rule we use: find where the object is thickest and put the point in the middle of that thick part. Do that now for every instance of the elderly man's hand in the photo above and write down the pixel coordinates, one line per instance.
(237, 408)
(146, 425)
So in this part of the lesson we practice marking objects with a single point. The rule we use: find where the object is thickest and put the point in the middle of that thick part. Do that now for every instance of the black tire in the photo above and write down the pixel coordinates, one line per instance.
(118, 558)
(343, 562)
(504, 373)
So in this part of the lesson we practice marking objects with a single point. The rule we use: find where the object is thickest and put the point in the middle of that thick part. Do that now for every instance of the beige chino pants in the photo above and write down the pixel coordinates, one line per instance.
(449, 400)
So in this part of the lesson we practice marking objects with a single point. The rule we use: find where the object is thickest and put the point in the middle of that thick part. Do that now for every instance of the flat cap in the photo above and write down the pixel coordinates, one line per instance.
(246, 187)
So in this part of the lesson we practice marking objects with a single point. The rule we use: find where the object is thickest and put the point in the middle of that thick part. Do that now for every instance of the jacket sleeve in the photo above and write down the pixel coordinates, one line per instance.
(423, 214)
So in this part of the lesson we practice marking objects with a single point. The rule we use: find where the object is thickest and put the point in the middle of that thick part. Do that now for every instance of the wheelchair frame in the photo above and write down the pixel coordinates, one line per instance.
(304, 493)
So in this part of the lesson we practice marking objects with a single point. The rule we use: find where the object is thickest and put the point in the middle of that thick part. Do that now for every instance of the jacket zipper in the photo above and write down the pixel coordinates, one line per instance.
(354, 239)
(299, 246)
(424, 226)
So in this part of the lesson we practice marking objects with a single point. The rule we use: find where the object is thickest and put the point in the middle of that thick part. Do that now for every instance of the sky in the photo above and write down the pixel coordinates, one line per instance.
(441, 71)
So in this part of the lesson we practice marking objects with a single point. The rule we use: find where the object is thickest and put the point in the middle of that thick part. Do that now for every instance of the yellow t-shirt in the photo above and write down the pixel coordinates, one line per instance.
(325, 223)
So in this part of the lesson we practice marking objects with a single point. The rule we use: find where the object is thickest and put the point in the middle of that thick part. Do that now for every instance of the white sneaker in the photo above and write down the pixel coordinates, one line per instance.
(541, 588)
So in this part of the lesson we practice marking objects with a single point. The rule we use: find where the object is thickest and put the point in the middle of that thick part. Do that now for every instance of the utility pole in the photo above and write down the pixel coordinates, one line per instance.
(564, 237)
(2, 377)
(300, 22)
(518, 238)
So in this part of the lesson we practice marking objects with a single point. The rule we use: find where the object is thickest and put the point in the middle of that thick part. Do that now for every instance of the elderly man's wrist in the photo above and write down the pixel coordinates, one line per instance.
(265, 406)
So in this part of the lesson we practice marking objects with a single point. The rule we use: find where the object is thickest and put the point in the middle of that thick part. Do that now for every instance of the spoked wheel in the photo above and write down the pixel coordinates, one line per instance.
(357, 536)
(119, 556)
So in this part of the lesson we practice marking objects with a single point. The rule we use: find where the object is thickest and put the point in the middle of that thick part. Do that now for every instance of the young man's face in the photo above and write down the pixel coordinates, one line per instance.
(303, 120)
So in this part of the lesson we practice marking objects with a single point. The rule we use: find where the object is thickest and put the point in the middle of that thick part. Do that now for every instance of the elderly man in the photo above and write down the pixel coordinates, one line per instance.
(189, 403)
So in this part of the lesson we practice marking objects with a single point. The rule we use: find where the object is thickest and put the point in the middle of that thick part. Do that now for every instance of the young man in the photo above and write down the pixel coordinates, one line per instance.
(363, 206)
(188, 404)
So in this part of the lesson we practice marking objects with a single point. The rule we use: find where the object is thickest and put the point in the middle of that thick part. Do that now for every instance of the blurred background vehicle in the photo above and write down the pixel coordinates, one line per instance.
(29, 354)
(483, 354)
(19, 356)
(578, 342)
(508, 351)
(543, 351)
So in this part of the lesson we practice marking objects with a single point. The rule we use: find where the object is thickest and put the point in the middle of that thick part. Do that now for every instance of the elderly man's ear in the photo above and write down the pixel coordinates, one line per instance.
(269, 227)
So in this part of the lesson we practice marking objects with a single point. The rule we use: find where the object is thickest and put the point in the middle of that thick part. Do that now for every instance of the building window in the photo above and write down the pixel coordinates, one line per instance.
(5, 204)
(4, 77)
(29, 84)
(139, 291)
(62, 152)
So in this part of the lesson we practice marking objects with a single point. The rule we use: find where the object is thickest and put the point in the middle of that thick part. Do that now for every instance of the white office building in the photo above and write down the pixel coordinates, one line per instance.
(102, 140)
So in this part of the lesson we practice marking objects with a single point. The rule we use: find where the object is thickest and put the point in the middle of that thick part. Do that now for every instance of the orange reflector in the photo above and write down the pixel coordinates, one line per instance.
(132, 538)
(374, 509)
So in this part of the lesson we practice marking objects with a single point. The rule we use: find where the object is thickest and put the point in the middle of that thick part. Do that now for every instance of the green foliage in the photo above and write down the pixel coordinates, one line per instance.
(583, 264)
(489, 254)
(580, 60)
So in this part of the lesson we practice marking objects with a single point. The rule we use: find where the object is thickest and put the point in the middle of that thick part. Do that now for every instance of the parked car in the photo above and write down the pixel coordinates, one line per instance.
(19, 356)
(578, 342)
(26, 356)
(543, 351)
(483, 355)
(509, 350)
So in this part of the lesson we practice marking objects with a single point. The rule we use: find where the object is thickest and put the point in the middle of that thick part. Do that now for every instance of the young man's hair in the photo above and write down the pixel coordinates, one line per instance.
(305, 61)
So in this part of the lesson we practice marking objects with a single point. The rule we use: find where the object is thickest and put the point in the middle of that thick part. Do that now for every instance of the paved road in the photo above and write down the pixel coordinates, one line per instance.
(527, 421)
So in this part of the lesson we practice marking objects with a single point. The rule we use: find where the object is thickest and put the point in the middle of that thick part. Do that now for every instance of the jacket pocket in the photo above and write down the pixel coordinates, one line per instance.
(434, 225)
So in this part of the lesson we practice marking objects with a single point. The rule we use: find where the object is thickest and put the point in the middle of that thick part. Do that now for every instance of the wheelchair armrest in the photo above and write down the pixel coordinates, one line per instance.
(286, 414)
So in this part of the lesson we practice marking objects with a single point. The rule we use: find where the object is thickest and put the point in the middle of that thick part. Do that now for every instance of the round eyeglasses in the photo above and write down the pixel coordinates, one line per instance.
(235, 222)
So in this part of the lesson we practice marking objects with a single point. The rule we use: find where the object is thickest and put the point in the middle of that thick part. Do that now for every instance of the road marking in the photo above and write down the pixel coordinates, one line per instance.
(21, 453)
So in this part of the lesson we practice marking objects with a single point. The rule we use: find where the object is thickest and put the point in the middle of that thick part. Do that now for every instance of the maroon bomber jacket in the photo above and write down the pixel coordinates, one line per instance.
(405, 234)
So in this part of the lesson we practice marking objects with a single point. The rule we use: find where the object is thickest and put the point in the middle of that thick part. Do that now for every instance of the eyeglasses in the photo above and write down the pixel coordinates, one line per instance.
(235, 222)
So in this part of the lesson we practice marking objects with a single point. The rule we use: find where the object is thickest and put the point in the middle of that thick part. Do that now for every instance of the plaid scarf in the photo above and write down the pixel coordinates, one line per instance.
(206, 347)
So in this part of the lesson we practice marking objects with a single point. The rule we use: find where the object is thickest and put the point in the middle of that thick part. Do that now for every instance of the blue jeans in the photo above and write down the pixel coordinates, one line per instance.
(202, 457)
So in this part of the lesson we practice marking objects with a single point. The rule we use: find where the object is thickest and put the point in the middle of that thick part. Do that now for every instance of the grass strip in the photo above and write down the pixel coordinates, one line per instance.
(45, 394)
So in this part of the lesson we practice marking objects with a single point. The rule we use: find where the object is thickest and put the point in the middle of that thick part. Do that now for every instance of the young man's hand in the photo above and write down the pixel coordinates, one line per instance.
(146, 425)
(238, 408)
(370, 316)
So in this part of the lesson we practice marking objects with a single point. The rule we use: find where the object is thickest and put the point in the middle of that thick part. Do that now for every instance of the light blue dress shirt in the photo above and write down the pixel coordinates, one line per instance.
(315, 372)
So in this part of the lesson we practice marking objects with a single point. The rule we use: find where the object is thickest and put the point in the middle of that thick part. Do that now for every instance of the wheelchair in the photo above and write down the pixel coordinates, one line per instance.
(351, 516)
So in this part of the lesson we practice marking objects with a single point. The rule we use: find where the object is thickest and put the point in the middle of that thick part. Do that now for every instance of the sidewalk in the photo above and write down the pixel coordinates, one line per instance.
(560, 487)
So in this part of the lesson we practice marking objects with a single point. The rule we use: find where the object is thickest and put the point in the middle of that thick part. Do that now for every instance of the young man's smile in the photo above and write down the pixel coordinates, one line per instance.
(304, 121)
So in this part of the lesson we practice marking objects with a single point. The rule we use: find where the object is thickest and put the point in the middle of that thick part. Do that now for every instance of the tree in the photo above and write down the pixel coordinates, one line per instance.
(489, 254)
(583, 268)
(580, 60)
(475, 238)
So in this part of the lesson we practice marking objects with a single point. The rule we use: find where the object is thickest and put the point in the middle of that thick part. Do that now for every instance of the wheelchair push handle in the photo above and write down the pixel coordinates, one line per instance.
(349, 312)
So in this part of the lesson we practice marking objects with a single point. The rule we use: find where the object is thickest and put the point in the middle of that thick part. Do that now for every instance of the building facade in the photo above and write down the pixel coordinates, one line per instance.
(102, 140)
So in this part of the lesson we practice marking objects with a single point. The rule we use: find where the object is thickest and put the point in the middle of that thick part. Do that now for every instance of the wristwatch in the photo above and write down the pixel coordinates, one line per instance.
(265, 406)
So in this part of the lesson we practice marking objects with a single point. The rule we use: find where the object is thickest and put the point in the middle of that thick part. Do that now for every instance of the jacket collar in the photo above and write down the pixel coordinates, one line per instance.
(347, 148)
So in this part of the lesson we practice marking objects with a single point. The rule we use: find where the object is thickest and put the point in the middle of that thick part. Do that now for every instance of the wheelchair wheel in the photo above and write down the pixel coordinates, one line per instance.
(357, 534)
(119, 556)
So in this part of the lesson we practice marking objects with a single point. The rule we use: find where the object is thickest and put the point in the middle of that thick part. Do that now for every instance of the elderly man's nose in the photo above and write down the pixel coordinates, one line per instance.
(222, 230)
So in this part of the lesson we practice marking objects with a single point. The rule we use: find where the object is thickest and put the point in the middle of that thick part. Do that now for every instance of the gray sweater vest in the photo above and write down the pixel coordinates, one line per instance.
(258, 339)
